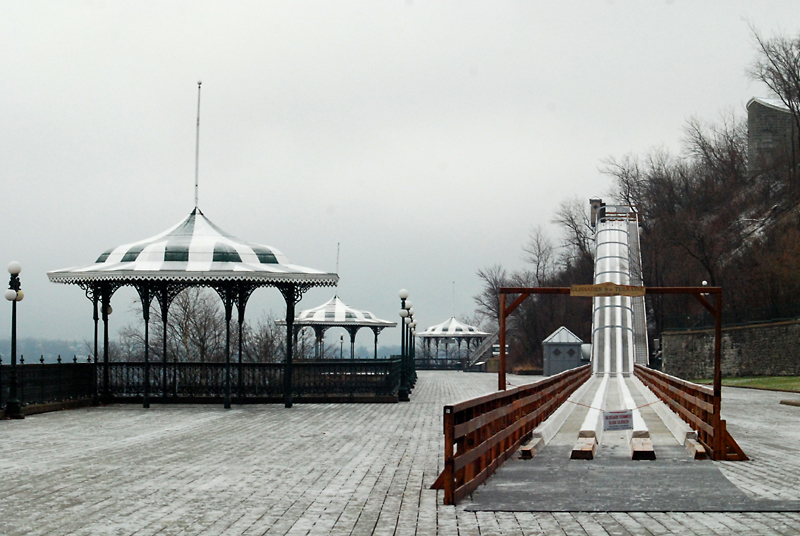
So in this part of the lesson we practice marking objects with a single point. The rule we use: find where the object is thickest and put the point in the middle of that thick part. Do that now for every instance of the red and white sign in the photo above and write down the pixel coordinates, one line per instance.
(618, 420)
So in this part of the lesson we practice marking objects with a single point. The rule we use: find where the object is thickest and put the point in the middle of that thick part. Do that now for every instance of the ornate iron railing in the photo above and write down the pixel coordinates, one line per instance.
(41, 383)
(314, 379)
(422, 363)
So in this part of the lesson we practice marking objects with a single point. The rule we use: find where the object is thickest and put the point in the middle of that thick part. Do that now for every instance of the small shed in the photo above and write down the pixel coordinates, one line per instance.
(562, 351)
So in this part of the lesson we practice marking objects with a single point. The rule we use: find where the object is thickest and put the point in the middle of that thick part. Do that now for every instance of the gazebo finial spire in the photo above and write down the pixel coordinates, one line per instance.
(197, 147)
(454, 299)
(337, 261)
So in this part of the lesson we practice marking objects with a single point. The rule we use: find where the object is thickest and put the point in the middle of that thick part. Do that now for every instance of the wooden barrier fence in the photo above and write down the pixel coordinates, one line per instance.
(480, 434)
(695, 404)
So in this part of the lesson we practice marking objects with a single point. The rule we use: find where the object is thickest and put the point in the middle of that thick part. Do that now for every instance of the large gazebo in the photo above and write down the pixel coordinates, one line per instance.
(195, 252)
(451, 330)
(335, 313)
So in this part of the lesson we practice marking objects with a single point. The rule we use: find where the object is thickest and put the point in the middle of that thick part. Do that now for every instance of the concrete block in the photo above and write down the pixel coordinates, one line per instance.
(584, 449)
(532, 448)
(695, 449)
(642, 449)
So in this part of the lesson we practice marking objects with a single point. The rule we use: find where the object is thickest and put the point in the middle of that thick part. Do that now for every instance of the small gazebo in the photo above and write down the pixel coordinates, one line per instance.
(193, 253)
(451, 330)
(336, 313)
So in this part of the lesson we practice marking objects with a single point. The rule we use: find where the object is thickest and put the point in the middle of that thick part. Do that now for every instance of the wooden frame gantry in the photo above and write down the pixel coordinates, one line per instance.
(724, 447)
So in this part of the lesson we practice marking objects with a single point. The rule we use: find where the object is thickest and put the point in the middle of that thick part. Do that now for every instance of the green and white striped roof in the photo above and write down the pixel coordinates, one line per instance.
(452, 328)
(194, 249)
(335, 312)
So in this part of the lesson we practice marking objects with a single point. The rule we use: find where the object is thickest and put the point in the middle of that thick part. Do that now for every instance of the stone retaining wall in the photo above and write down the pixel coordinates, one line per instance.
(754, 350)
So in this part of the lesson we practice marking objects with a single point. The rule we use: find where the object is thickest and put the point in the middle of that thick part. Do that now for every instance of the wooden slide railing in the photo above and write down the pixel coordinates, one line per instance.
(697, 406)
(480, 434)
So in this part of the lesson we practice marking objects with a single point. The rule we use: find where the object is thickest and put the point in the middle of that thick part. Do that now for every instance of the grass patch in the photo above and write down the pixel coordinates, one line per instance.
(771, 383)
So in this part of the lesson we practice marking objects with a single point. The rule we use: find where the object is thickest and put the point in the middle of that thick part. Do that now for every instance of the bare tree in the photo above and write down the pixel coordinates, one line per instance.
(197, 323)
(265, 342)
(539, 252)
(488, 301)
(573, 217)
(195, 328)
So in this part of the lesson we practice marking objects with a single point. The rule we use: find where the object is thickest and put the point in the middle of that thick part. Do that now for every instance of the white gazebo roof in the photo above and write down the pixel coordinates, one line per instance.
(562, 336)
(335, 312)
(452, 328)
(194, 250)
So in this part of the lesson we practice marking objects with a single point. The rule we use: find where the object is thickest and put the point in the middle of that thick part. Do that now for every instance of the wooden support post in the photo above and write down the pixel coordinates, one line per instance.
(501, 376)
(449, 465)
(719, 431)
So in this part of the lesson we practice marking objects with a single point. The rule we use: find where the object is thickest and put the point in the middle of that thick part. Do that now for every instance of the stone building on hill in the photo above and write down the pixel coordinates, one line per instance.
(772, 139)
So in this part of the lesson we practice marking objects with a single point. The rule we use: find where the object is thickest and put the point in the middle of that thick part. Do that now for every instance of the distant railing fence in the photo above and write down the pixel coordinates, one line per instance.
(39, 383)
(423, 363)
(256, 381)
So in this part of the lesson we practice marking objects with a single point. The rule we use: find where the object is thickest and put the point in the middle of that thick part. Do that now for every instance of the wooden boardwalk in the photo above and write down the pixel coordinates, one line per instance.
(324, 469)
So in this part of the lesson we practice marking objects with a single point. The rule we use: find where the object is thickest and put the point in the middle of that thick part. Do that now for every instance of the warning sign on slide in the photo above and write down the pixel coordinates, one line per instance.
(618, 420)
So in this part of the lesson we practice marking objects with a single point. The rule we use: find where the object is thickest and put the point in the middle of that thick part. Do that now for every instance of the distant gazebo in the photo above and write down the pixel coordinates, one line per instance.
(453, 331)
(193, 253)
(335, 313)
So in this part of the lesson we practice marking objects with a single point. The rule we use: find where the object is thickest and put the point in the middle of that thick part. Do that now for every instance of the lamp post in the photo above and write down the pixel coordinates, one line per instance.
(408, 326)
(413, 334)
(405, 306)
(14, 294)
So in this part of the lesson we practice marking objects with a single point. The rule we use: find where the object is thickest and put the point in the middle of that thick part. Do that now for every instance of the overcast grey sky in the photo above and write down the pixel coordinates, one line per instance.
(427, 138)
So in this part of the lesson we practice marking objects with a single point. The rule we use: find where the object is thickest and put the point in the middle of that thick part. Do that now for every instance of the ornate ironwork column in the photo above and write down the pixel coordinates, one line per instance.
(377, 331)
(243, 292)
(288, 295)
(227, 293)
(165, 294)
(228, 314)
(92, 292)
(96, 317)
(292, 293)
(146, 297)
(164, 302)
(353, 330)
(319, 337)
(105, 308)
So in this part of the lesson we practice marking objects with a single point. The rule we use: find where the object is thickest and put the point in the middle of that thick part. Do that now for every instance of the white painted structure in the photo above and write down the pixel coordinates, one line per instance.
(612, 320)
(619, 337)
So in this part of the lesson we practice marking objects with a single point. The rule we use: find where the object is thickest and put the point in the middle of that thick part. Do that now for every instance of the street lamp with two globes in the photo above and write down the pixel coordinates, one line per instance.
(14, 294)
